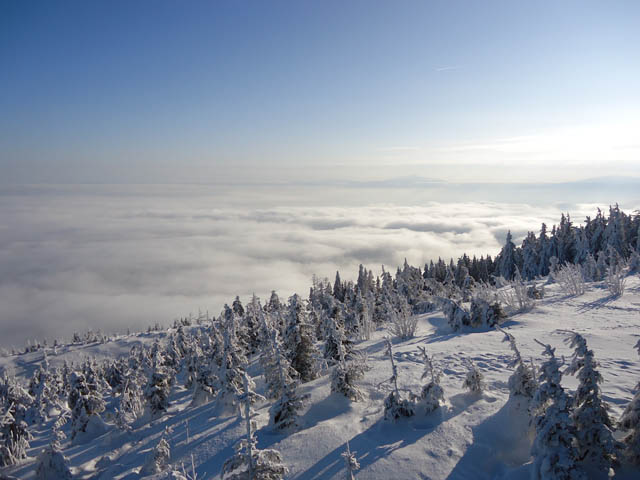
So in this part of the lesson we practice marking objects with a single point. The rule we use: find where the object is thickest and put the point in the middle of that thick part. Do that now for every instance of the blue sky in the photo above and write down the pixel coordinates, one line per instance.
(218, 91)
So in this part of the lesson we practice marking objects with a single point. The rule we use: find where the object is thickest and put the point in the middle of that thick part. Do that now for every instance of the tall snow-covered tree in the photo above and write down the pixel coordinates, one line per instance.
(553, 451)
(594, 427)
(249, 462)
(630, 422)
(299, 341)
(507, 258)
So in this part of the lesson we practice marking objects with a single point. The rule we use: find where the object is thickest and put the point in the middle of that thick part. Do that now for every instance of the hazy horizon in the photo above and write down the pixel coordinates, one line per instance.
(157, 157)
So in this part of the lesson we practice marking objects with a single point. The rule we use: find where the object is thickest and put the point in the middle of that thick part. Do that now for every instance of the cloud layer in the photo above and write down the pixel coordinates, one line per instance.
(112, 257)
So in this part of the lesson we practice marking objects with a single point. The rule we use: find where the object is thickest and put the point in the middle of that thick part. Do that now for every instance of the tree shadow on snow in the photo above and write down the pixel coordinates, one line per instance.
(443, 331)
(501, 443)
(385, 437)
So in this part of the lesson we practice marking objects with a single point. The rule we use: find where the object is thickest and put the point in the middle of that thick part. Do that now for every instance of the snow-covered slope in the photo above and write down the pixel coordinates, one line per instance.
(474, 436)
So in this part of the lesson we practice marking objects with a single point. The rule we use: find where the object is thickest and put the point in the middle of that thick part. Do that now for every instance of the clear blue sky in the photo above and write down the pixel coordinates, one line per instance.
(202, 91)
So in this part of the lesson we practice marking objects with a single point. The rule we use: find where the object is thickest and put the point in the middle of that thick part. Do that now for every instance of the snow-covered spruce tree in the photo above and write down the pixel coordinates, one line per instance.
(336, 339)
(590, 269)
(485, 314)
(553, 451)
(522, 381)
(350, 463)
(156, 392)
(44, 391)
(86, 404)
(205, 382)
(432, 395)
(14, 438)
(280, 384)
(347, 373)
(457, 316)
(299, 341)
(594, 427)
(630, 422)
(395, 406)
(474, 381)
(232, 368)
(251, 320)
(52, 464)
(130, 404)
(158, 460)
(249, 462)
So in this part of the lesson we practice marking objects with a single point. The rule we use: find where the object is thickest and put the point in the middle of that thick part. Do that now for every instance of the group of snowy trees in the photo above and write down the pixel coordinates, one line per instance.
(300, 340)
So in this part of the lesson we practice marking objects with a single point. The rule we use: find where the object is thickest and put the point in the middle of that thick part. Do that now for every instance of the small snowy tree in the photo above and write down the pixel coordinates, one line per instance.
(157, 392)
(571, 279)
(52, 464)
(616, 279)
(86, 404)
(395, 406)
(485, 314)
(522, 381)
(596, 445)
(250, 463)
(14, 438)
(158, 460)
(553, 451)
(474, 381)
(131, 404)
(630, 422)
(457, 316)
(350, 462)
(347, 373)
(432, 395)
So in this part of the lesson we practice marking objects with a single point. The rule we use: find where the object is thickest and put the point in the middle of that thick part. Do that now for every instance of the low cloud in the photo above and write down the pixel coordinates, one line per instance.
(79, 258)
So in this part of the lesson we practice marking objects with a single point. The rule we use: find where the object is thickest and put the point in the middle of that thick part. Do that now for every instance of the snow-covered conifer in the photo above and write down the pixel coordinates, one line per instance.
(596, 445)
(630, 422)
(14, 437)
(335, 339)
(249, 462)
(457, 316)
(347, 373)
(157, 392)
(52, 464)
(553, 451)
(485, 314)
(158, 460)
(86, 404)
(474, 381)
(299, 341)
(432, 395)
(232, 368)
(395, 406)
(350, 462)
(130, 405)
(522, 381)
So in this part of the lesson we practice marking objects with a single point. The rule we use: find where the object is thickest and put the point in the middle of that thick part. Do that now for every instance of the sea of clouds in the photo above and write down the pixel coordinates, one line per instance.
(74, 258)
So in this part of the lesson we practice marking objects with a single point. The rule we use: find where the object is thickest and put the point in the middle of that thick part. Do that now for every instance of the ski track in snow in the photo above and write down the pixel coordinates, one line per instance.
(473, 436)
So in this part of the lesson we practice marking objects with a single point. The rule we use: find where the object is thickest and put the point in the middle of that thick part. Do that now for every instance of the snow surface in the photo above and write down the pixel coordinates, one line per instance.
(473, 436)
